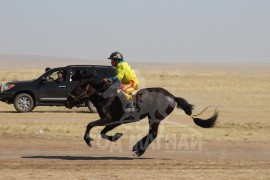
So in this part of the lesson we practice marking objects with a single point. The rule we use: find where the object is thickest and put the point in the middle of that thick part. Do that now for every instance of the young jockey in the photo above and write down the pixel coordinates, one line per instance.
(126, 75)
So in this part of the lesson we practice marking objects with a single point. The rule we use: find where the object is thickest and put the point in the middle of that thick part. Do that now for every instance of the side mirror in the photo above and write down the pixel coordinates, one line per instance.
(47, 69)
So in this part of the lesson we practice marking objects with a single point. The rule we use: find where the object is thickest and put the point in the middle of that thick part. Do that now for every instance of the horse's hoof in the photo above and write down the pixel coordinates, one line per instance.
(88, 141)
(116, 136)
(135, 148)
(90, 145)
(138, 153)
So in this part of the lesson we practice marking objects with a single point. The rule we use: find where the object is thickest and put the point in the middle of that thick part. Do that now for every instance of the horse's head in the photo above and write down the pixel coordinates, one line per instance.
(92, 84)
(80, 93)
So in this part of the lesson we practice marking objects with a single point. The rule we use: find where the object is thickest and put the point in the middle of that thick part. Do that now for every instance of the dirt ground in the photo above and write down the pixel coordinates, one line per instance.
(53, 148)
(47, 143)
(73, 160)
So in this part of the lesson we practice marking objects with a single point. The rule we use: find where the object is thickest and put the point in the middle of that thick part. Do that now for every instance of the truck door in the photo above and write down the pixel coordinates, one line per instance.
(53, 87)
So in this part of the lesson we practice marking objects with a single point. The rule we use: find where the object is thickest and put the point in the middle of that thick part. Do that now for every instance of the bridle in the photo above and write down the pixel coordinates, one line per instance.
(83, 95)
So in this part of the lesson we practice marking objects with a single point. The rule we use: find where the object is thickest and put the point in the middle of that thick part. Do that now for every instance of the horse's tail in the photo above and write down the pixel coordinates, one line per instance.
(205, 123)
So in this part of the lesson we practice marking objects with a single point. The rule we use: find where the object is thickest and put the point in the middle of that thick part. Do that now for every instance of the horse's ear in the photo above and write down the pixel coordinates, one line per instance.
(91, 75)
(88, 76)
(94, 78)
(94, 73)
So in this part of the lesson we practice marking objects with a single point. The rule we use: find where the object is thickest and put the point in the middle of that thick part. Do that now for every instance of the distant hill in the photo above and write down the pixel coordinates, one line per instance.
(10, 61)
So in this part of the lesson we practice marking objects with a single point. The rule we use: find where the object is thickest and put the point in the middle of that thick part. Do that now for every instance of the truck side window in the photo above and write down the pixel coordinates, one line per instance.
(57, 76)
(77, 74)
(103, 72)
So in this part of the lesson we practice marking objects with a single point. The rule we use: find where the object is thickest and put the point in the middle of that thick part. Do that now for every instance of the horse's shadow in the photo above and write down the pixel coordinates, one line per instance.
(70, 158)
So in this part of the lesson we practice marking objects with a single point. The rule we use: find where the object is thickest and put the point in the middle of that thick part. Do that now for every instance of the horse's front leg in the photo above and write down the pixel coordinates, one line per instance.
(100, 122)
(109, 128)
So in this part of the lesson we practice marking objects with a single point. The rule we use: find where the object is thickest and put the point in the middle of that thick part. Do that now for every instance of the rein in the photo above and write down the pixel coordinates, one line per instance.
(83, 95)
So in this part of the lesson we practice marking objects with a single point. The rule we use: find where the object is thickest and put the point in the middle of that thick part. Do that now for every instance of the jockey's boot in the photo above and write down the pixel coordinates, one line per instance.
(130, 106)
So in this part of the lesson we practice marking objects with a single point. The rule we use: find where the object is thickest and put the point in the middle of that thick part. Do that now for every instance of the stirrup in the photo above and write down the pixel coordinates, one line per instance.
(130, 107)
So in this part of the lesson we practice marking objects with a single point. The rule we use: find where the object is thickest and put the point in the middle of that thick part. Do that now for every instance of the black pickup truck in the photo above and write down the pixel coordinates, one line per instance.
(48, 90)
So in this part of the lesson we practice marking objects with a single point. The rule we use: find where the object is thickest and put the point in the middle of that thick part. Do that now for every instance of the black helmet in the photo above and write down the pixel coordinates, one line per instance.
(116, 55)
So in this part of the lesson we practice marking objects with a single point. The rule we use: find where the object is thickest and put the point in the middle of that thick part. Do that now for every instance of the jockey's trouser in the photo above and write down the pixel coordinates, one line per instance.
(129, 87)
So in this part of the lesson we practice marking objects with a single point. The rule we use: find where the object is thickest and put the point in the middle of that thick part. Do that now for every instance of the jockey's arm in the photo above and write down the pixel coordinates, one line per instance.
(113, 79)
(120, 74)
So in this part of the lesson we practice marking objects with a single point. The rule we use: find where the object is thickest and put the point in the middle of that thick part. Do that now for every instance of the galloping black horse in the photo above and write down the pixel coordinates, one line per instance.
(154, 103)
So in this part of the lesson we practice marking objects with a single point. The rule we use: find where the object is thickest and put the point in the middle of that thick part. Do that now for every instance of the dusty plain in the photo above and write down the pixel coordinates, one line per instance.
(48, 142)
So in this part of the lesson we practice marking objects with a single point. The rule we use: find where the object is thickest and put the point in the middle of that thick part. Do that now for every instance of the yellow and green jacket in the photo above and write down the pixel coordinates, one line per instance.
(124, 73)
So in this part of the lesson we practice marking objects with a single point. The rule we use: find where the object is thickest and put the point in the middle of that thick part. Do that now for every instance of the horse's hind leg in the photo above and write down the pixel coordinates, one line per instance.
(100, 122)
(109, 128)
(140, 147)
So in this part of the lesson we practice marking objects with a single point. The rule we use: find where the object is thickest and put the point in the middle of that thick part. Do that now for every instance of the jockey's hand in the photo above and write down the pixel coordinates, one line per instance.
(107, 80)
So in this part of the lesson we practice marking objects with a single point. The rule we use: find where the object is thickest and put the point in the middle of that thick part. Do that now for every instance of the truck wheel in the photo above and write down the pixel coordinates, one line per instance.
(91, 107)
(24, 103)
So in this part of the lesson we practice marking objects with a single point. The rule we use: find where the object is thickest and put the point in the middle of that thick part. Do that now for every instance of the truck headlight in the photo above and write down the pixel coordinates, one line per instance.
(8, 86)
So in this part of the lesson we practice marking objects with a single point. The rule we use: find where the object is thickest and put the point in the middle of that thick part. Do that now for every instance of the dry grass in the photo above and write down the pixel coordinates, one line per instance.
(239, 93)
(7, 75)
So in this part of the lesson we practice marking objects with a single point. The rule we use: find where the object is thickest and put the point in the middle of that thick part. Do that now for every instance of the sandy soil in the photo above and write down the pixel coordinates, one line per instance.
(73, 160)
(53, 148)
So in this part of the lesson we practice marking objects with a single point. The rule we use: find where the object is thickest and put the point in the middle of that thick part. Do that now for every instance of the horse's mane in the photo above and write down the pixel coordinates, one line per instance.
(94, 79)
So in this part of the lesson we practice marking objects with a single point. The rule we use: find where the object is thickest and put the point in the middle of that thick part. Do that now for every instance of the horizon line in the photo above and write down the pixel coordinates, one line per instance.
(132, 61)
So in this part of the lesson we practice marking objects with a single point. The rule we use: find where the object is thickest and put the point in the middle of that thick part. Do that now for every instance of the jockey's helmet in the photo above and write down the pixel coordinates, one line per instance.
(116, 56)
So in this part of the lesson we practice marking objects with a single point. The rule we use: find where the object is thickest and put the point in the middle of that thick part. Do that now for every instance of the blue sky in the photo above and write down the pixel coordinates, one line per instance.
(196, 31)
